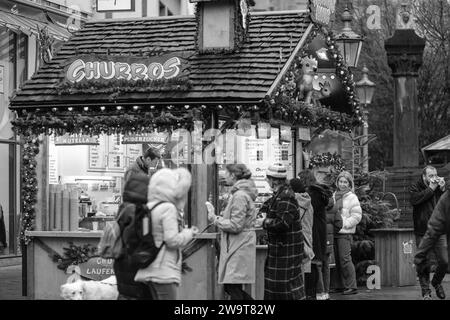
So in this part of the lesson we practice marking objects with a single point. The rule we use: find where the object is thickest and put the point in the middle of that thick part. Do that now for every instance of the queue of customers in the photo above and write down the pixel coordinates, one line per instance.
(304, 220)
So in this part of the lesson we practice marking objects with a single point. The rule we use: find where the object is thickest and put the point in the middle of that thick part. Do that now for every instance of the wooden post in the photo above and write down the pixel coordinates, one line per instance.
(42, 208)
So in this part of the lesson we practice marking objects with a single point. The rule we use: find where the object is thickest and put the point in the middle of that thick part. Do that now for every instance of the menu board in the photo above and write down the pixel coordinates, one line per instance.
(259, 154)
(97, 155)
(116, 153)
(52, 161)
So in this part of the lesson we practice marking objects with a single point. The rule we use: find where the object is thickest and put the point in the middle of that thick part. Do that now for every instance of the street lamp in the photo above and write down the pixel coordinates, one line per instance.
(364, 90)
(348, 41)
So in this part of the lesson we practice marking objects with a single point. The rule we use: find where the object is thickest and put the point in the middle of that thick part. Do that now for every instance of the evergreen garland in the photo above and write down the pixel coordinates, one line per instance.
(74, 255)
(29, 186)
(327, 159)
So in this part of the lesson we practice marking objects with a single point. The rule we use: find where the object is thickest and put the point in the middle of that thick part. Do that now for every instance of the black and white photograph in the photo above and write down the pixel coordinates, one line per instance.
(215, 151)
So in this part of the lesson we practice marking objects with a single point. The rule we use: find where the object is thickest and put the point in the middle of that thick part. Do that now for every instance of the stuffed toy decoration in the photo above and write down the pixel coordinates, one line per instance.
(324, 92)
(305, 82)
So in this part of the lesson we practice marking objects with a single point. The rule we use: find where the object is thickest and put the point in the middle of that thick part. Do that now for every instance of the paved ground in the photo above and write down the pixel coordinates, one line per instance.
(11, 283)
(11, 289)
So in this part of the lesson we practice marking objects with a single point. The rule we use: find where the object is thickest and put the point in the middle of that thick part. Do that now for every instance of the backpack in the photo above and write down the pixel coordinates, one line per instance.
(110, 245)
(136, 234)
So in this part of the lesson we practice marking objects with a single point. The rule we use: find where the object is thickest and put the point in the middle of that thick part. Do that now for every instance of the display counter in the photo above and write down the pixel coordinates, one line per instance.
(45, 278)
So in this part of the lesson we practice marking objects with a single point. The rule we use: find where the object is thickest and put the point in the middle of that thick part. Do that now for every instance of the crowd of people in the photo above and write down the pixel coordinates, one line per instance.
(307, 223)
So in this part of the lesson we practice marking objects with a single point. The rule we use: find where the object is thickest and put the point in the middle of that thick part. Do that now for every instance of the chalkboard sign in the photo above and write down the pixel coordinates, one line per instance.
(97, 268)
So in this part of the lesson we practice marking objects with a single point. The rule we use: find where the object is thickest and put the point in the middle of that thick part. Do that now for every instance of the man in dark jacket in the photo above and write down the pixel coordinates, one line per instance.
(134, 198)
(283, 276)
(143, 163)
(320, 196)
(438, 227)
(424, 196)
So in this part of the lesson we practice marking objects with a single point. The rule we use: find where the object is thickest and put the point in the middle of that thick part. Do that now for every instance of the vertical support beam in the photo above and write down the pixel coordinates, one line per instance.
(43, 186)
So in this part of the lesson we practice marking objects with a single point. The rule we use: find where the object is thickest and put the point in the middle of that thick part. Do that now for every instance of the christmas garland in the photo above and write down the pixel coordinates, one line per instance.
(327, 159)
(287, 106)
(29, 186)
(109, 123)
(74, 255)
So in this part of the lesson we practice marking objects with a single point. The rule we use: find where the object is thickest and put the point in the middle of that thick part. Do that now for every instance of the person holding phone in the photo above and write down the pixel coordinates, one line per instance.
(237, 261)
(424, 195)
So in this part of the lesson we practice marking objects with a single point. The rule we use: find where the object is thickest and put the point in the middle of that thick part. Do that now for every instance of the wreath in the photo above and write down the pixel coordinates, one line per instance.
(327, 159)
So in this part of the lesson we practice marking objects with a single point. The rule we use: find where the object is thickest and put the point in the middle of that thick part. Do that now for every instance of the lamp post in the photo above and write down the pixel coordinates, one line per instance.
(365, 90)
(348, 41)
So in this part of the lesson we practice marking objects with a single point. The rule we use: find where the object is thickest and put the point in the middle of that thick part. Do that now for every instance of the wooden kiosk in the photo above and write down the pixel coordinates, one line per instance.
(139, 77)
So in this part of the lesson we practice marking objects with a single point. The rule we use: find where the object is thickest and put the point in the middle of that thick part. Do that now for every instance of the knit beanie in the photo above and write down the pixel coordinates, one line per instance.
(347, 175)
(277, 171)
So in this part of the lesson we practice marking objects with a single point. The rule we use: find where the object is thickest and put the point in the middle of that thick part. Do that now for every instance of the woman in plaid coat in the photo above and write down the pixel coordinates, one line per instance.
(283, 278)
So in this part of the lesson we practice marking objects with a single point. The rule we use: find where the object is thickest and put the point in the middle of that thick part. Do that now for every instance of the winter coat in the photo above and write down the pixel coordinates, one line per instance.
(438, 224)
(306, 216)
(138, 167)
(283, 278)
(320, 197)
(238, 240)
(3, 242)
(134, 198)
(351, 212)
(334, 225)
(167, 226)
(423, 200)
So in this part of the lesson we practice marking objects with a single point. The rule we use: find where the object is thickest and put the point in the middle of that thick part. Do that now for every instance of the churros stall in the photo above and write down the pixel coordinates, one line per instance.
(243, 88)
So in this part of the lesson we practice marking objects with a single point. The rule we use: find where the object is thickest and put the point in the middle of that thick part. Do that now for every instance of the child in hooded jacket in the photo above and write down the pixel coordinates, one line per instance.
(171, 187)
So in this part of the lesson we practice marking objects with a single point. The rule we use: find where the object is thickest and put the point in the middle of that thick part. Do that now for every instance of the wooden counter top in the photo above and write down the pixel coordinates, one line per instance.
(94, 234)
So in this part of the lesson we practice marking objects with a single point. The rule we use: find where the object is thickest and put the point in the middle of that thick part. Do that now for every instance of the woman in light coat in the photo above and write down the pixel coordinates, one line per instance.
(348, 205)
(238, 239)
(171, 188)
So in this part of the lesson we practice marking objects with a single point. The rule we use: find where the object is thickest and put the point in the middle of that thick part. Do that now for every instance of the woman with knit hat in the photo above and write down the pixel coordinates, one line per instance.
(169, 186)
(238, 238)
(283, 277)
(348, 205)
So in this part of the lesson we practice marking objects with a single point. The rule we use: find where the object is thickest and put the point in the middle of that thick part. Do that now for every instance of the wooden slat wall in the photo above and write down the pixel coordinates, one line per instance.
(399, 183)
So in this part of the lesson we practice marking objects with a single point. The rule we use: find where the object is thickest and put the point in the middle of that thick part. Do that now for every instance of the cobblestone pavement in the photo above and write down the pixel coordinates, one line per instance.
(11, 289)
(11, 283)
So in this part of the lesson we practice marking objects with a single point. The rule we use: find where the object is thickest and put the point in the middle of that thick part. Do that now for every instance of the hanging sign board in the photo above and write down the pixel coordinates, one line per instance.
(72, 140)
(109, 68)
(285, 134)
(153, 138)
(304, 134)
(322, 11)
(97, 268)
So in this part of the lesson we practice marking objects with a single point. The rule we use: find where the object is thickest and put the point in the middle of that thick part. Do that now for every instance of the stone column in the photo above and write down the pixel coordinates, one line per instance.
(404, 53)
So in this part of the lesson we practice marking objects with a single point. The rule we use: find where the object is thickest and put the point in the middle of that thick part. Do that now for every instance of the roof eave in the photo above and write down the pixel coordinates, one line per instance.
(288, 63)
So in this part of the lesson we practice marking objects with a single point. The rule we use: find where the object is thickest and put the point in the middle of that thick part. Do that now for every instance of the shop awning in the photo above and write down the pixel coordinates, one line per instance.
(29, 26)
(244, 76)
(440, 145)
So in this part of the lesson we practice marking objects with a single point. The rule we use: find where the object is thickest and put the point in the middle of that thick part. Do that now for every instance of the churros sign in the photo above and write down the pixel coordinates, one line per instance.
(123, 68)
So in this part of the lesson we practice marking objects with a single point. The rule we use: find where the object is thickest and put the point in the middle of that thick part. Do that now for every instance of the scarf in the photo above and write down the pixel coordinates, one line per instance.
(339, 198)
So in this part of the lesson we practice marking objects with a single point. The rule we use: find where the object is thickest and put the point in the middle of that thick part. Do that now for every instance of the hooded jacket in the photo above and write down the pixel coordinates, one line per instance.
(351, 211)
(134, 195)
(320, 197)
(306, 216)
(238, 239)
(171, 187)
(423, 200)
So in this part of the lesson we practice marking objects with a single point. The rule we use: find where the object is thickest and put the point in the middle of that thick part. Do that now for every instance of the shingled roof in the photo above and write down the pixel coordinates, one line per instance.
(243, 77)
